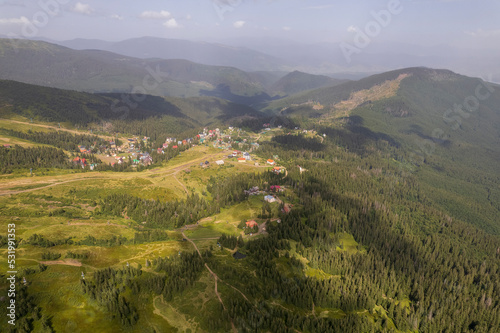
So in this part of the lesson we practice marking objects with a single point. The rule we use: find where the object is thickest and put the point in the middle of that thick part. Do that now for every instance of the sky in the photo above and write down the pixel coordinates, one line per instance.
(458, 23)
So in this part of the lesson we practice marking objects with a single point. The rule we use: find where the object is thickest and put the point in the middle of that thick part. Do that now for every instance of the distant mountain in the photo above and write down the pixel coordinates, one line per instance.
(377, 57)
(79, 108)
(51, 65)
(46, 64)
(441, 126)
(199, 52)
(296, 82)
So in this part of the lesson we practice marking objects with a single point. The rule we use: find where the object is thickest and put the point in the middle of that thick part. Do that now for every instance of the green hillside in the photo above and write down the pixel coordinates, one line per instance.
(383, 216)
(51, 65)
(296, 82)
(78, 108)
(455, 154)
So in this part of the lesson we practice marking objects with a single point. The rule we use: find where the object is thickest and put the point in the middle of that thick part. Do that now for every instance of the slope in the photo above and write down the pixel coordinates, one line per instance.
(296, 82)
(438, 125)
(78, 108)
(51, 65)
(199, 52)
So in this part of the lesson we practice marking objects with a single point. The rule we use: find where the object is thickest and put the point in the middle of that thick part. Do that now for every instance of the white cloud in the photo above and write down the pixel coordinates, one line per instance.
(352, 28)
(287, 28)
(172, 23)
(117, 17)
(21, 20)
(155, 15)
(83, 8)
(483, 33)
(239, 24)
(320, 7)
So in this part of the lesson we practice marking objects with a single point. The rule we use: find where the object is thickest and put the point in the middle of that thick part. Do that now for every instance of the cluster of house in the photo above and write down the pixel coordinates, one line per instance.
(137, 158)
(253, 191)
(83, 163)
(242, 157)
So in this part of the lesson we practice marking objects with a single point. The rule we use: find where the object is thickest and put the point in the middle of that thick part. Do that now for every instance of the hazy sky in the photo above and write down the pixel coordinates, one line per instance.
(465, 23)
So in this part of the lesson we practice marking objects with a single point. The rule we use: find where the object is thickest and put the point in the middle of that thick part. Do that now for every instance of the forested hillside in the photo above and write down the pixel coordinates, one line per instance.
(124, 110)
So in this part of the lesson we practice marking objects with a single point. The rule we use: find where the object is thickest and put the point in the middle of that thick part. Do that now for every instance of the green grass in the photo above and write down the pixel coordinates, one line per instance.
(243, 211)
(348, 243)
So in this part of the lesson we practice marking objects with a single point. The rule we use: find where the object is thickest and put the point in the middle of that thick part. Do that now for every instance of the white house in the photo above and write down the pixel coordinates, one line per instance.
(220, 162)
(270, 198)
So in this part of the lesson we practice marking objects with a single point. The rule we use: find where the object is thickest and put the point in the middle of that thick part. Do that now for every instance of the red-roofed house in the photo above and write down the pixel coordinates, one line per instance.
(271, 162)
(252, 224)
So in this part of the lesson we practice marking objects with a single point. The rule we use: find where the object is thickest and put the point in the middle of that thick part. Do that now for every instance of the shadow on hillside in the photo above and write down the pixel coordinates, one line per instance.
(224, 91)
(417, 129)
(357, 137)
(150, 106)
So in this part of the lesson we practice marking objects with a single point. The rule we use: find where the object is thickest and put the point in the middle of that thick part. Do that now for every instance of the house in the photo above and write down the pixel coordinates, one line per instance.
(275, 188)
(147, 160)
(241, 160)
(220, 162)
(286, 208)
(252, 224)
(7, 146)
(270, 198)
(175, 147)
(207, 162)
(271, 162)
(184, 142)
(165, 145)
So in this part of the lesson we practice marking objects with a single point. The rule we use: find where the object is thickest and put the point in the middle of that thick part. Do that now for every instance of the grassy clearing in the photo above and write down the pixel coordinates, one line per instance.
(329, 313)
(176, 320)
(247, 210)
(348, 244)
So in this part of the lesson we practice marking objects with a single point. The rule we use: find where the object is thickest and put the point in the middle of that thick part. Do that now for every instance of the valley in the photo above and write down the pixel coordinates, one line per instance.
(232, 201)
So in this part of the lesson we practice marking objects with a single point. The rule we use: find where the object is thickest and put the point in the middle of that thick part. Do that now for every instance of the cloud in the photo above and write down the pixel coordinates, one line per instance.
(483, 33)
(172, 23)
(83, 8)
(320, 7)
(352, 28)
(149, 14)
(116, 17)
(8, 21)
(239, 24)
(287, 28)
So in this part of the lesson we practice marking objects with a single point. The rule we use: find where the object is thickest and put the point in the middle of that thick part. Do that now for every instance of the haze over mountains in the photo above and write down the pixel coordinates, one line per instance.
(274, 54)
(42, 63)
